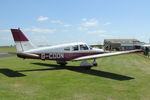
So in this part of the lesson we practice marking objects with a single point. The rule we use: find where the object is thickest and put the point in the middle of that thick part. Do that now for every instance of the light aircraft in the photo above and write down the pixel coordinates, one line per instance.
(61, 53)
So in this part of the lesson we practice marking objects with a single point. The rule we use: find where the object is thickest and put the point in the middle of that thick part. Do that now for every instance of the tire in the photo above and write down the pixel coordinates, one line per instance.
(88, 68)
(63, 64)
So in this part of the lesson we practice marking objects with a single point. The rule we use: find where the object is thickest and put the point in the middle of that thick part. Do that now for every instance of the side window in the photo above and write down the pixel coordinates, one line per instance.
(83, 47)
(75, 48)
(67, 48)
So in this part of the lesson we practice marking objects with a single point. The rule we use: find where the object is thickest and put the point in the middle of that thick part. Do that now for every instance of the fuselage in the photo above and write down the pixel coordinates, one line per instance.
(61, 53)
(64, 52)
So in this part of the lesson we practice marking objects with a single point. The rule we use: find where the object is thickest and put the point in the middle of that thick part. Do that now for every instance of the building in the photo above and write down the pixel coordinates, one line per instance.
(122, 44)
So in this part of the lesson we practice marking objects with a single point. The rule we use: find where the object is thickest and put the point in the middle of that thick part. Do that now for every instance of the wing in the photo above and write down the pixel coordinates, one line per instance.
(24, 54)
(106, 55)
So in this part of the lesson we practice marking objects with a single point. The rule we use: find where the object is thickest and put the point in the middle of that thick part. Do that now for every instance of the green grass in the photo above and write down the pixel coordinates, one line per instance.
(124, 77)
(7, 49)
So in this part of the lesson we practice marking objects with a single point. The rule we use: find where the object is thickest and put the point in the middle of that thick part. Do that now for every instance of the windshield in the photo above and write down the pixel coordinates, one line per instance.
(90, 47)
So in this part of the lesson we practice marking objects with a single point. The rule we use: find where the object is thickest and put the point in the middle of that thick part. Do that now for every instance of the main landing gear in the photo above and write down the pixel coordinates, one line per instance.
(87, 65)
(83, 64)
(62, 63)
(95, 63)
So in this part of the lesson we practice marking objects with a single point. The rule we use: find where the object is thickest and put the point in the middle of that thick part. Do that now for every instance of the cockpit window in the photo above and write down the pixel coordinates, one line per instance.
(83, 47)
(75, 48)
(67, 49)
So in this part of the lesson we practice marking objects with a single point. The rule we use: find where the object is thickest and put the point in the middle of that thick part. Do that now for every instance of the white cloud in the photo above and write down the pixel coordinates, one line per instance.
(84, 19)
(82, 28)
(107, 23)
(90, 22)
(42, 18)
(107, 36)
(4, 31)
(115, 32)
(67, 25)
(60, 23)
(103, 33)
(65, 30)
(97, 32)
(56, 22)
(6, 39)
(40, 40)
(40, 30)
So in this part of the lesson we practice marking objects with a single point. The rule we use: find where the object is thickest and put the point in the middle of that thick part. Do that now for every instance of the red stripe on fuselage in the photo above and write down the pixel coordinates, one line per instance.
(67, 56)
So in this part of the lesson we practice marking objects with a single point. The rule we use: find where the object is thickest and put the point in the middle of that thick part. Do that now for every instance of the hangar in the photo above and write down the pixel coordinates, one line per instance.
(122, 44)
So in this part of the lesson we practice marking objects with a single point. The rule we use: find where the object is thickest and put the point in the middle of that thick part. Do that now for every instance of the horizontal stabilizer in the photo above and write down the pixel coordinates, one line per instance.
(23, 54)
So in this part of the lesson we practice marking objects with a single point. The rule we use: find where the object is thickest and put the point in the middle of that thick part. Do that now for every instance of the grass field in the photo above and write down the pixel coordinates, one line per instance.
(7, 49)
(124, 77)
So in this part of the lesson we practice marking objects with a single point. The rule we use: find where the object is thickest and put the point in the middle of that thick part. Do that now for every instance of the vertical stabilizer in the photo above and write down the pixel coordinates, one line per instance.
(22, 42)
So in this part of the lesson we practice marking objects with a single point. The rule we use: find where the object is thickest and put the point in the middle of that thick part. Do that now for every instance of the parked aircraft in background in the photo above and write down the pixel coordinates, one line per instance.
(61, 53)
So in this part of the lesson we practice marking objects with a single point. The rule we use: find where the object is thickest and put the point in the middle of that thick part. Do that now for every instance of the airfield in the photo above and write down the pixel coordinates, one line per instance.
(123, 77)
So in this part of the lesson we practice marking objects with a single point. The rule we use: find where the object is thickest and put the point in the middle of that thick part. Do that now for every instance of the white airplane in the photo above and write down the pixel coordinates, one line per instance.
(61, 53)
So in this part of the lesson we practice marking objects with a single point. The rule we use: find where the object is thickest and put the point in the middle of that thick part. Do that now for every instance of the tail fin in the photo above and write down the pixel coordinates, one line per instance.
(22, 42)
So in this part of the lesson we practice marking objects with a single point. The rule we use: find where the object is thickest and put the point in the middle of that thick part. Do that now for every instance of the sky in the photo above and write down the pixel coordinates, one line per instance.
(50, 22)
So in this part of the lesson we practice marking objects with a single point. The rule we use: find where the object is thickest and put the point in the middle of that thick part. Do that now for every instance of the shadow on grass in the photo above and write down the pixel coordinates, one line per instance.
(82, 70)
(11, 73)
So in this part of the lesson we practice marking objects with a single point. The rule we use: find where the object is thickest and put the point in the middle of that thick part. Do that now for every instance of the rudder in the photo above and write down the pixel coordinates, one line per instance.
(22, 42)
